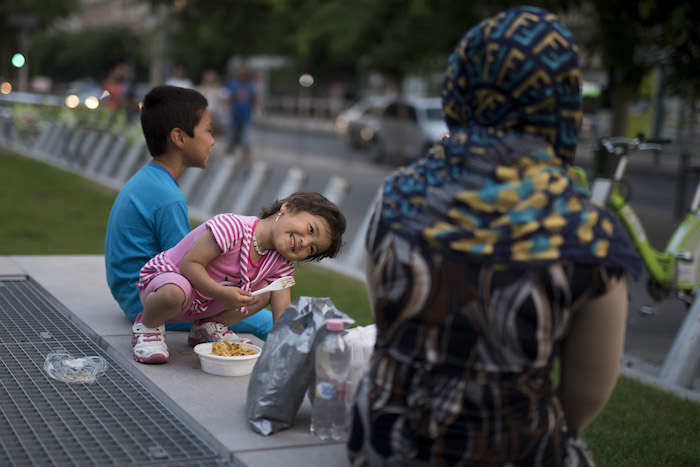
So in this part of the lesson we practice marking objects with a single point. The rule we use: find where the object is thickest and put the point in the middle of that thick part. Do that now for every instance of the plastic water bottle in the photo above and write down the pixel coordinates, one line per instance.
(329, 409)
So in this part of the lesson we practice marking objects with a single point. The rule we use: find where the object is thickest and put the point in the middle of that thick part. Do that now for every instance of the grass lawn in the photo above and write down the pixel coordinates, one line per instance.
(49, 211)
(645, 426)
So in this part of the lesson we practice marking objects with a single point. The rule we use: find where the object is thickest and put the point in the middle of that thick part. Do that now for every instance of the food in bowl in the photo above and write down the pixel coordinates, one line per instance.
(230, 349)
(222, 365)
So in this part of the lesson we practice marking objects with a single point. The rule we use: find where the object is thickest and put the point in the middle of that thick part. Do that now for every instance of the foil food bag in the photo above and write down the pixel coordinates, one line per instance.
(285, 368)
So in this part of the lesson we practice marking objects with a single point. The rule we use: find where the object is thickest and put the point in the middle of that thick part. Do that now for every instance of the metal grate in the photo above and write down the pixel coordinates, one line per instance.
(49, 422)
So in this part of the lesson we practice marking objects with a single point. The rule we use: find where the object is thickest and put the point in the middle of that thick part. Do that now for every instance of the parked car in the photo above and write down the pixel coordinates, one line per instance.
(357, 124)
(406, 129)
(86, 92)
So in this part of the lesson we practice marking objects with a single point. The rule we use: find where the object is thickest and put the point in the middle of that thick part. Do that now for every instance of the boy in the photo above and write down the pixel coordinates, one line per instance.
(150, 213)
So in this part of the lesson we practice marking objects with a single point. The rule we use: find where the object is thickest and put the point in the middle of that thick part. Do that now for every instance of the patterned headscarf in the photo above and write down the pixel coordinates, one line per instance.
(500, 188)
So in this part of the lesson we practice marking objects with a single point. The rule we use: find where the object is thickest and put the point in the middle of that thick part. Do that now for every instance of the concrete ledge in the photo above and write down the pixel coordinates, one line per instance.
(215, 405)
(9, 268)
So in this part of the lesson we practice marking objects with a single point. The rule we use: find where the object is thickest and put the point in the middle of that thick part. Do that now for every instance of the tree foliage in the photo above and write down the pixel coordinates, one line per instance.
(340, 37)
(69, 56)
(633, 37)
(205, 34)
(27, 16)
(679, 36)
(393, 37)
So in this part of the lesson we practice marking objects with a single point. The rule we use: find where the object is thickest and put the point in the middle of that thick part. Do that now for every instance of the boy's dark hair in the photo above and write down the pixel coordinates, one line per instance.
(167, 107)
(318, 205)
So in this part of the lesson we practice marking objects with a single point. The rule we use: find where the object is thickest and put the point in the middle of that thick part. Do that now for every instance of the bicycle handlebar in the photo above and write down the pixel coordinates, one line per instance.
(620, 145)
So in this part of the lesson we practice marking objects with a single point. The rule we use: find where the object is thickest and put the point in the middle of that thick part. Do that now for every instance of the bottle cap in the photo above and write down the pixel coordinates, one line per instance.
(335, 324)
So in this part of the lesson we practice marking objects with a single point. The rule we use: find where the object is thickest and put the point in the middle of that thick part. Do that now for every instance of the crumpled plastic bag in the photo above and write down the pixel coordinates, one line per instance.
(285, 367)
(360, 340)
(61, 366)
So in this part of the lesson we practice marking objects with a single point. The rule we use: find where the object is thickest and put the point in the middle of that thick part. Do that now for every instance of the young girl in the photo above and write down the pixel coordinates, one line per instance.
(208, 277)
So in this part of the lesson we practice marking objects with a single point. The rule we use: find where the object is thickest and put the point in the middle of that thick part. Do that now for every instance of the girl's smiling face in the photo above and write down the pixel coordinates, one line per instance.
(298, 235)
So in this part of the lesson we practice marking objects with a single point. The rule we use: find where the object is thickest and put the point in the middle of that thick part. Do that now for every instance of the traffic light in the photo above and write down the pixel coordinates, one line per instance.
(18, 60)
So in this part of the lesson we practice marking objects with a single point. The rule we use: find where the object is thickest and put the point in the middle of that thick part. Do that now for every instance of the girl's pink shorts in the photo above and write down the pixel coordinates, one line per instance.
(185, 315)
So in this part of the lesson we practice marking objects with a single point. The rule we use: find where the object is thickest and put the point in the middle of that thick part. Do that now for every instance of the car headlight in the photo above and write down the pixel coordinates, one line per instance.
(366, 133)
(341, 125)
(72, 101)
(92, 102)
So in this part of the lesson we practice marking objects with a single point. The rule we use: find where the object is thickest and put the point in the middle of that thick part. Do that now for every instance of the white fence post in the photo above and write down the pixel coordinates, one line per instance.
(354, 258)
(217, 185)
(336, 190)
(254, 181)
(293, 181)
(106, 169)
(46, 137)
(681, 364)
(189, 180)
(99, 153)
(132, 159)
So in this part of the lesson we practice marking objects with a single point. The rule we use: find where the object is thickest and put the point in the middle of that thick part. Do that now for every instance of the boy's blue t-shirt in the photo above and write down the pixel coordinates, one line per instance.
(149, 216)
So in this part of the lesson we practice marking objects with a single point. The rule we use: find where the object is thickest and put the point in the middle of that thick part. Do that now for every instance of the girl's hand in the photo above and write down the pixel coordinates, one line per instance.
(193, 267)
(233, 316)
(234, 297)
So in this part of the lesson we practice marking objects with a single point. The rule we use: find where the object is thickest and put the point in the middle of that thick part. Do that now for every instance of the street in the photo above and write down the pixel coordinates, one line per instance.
(321, 156)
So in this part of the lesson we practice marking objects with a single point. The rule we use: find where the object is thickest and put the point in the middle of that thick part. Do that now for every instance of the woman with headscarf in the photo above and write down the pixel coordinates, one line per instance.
(487, 263)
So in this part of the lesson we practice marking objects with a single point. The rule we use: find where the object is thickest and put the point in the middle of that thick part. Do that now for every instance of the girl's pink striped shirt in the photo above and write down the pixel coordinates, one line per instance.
(233, 234)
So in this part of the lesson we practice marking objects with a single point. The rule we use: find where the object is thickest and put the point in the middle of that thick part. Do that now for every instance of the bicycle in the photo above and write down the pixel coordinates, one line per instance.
(676, 269)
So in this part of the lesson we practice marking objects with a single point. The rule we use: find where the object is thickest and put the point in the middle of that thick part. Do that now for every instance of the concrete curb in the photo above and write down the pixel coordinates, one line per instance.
(647, 373)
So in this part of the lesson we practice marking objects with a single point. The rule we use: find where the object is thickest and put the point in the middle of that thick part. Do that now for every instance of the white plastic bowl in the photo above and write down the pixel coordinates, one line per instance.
(226, 366)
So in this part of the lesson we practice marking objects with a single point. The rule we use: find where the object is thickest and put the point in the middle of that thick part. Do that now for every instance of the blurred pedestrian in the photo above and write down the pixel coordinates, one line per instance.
(487, 263)
(117, 85)
(217, 96)
(179, 78)
(244, 99)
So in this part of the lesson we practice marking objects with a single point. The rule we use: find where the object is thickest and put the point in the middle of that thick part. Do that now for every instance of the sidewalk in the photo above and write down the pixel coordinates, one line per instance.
(212, 407)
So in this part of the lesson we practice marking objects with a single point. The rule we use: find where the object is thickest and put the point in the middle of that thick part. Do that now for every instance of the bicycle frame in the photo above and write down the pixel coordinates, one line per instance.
(659, 264)
(677, 268)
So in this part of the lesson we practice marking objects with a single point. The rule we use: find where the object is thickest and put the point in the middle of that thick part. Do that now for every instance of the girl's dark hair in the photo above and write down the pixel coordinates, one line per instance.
(318, 205)
(167, 107)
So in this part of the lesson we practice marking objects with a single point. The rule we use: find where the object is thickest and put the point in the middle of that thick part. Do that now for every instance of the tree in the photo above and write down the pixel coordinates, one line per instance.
(69, 56)
(394, 37)
(21, 19)
(205, 34)
(636, 37)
